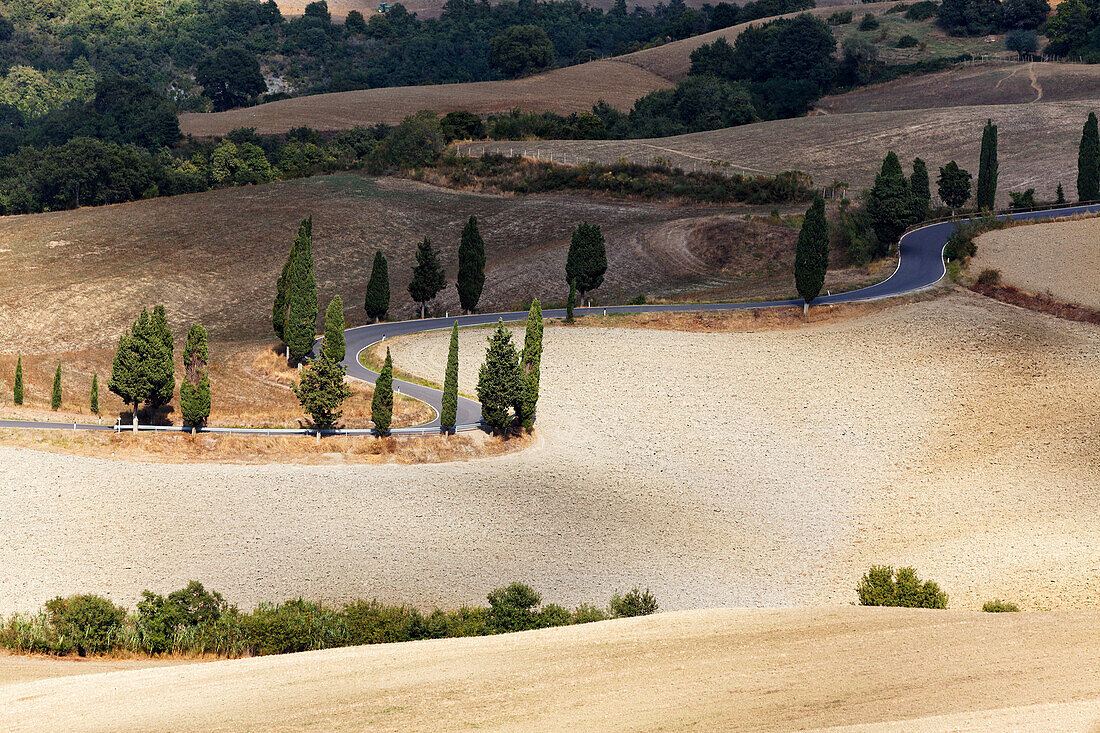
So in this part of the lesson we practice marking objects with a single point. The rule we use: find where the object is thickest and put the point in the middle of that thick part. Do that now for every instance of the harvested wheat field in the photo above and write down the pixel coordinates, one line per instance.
(1037, 144)
(758, 670)
(619, 81)
(958, 435)
(1062, 258)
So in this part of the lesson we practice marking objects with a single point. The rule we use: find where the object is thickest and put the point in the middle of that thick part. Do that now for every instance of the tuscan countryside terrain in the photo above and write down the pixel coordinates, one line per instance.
(549, 366)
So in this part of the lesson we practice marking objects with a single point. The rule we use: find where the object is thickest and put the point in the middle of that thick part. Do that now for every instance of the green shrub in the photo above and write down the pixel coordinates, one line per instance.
(882, 586)
(989, 277)
(374, 623)
(586, 613)
(923, 10)
(554, 615)
(869, 23)
(85, 623)
(841, 17)
(999, 606)
(907, 41)
(512, 608)
(633, 603)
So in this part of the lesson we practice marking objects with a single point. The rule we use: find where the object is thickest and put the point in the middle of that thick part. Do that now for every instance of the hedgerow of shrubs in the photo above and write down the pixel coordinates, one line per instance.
(999, 606)
(194, 621)
(883, 586)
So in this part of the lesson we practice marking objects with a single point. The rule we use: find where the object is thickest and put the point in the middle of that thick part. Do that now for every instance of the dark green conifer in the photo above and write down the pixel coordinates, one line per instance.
(889, 206)
(428, 277)
(17, 391)
(377, 300)
(93, 400)
(448, 415)
(128, 379)
(986, 193)
(1059, 195)
(586, 262)
(300, 331)
(811, 258)
(164, 386)
(471, 266)
(920, 191)
(278, 311)
(954, 185)
(499, 384)
(333, 345)
(381, 406)
(195, 387)
(1088, 162)
(529, 363)
(571, 303)
(322, 391)
(55, 394)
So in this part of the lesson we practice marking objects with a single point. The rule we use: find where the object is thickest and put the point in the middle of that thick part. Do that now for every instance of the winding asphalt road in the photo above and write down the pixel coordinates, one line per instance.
(920, 266)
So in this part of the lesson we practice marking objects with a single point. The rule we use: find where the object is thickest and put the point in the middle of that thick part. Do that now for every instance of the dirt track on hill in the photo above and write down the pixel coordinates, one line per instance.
(751, 670)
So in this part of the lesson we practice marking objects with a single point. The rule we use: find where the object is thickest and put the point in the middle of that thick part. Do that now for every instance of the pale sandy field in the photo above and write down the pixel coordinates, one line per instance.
(749, 669)
(1062, 258)
(958, 435)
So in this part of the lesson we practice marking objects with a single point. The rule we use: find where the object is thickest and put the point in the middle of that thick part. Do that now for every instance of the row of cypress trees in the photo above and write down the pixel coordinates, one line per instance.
(19, 389)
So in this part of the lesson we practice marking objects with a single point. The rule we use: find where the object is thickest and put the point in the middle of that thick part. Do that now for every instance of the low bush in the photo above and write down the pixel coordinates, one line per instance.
(923, 10)
(841, 17)
(989, 277)
(999, 606)
(869, 23)
(883, 586)
(907, 41)
(85, 623)
(961, 244)
(633, 603)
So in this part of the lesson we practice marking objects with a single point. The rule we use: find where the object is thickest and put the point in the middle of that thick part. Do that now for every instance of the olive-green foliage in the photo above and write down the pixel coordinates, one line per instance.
(1059, 195)
(163, 387)
(920, 191)
(86, 624)
(471, 266)
(530, 362)
(961, 244)
(999, 606)
(377, 300)
(586, 262)
(93, 399)
(169, 624)
(571, 303)
(17, 389)
(143, 370)
(889, 207)
(633, 603)
(811, 257)
(55, 393)
(1088, 162)
(522, 49)
(282, 285)
(195, 387)
(300, 330)
(381, 406)
(417, 140)
(322, 391)
(986, 193)
(954, 185)
(448, 415)
(499, 383)
(882, 586)
(512, 608)
(333, 346)
(428, 278)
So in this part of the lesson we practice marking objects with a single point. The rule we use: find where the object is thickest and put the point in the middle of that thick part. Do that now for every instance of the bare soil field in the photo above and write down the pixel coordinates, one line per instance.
(729, 669)
(1061, 258)
(619, 81)
(1037, 144)
(983, 84)
(958, 435)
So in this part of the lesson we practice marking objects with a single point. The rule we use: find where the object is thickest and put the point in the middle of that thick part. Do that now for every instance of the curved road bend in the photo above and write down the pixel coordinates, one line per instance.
(920, 266)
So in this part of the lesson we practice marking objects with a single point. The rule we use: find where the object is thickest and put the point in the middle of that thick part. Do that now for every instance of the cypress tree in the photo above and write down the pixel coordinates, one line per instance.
(529, 363)
(471, 266)
(1059, 195)
(811, 258)
(1088, 162)
(377, 301)
(17, 391)
(381, 405)
(321, 392)
(278, 310)
(127, 378)
(920, 191)
(572, 302)
(93, 400)
(428, 277)
(195, 388)
(300, 330)
(164, 386)
(448, 416)
(55, 394)
(499, 382)
(587, 260)
(986, 194)
(333, 345)
(954, 185)
(889, 205)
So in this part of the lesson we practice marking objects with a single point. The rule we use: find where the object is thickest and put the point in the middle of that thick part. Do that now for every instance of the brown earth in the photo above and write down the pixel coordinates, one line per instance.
(1061, 258)
(618, 81)
(727, 669)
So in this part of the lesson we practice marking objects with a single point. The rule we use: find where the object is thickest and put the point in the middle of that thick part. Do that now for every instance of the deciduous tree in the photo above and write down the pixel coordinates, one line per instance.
(471, 266)
(954, 185)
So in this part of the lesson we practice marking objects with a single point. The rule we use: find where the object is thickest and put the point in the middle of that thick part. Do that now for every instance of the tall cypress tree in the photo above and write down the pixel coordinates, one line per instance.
(157, 357)
(195, 388)
(448, 415)
(17, 390)
(381, 405)
(586, 262)
(128, 380)
(93, 399)
(333, 345)
(471, 266)
(1088, 162)
(278, 310)
(301, 317)
(499, 383)
(55, 394)
(428, 277)
(811, 258)
(920, 191)
(986, 194)
(377, 300)
(889, 205)
(530, 362)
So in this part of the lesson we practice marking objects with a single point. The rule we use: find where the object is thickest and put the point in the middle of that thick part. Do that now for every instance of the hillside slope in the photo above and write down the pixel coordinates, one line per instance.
(777, 669)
